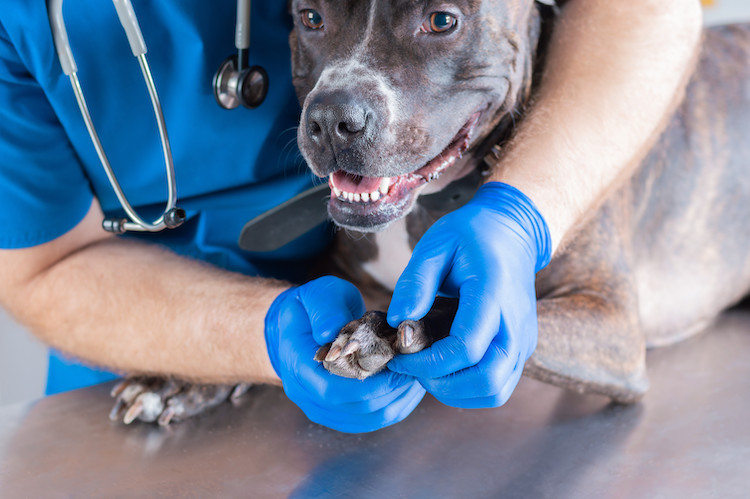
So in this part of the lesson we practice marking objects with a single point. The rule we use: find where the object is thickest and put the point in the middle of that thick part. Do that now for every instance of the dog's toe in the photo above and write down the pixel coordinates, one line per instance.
(163, 400)
(411, 337)
(362, 348)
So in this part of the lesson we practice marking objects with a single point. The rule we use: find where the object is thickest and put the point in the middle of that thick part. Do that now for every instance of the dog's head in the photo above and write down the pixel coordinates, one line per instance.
(397, 93)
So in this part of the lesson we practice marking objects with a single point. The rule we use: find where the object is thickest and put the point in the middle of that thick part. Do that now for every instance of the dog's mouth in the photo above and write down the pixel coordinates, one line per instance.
(369, 203)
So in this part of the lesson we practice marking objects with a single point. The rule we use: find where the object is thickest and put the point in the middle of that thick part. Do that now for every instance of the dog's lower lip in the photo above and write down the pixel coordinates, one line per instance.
(351, 188)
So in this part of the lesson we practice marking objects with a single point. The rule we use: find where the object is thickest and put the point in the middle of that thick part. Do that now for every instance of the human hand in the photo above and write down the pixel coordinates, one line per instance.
(302, 319)
(487, 254)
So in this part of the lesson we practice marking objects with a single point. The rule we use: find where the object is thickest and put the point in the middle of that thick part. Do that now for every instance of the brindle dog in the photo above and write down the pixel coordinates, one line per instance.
(389, 94)
(398, 103)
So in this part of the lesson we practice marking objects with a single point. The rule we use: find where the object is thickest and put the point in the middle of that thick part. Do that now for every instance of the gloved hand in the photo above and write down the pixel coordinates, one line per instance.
(302, 319)
(487, 254)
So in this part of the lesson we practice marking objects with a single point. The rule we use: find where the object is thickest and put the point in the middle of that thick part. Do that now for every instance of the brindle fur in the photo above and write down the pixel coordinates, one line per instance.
(668, 251)
(661, 256)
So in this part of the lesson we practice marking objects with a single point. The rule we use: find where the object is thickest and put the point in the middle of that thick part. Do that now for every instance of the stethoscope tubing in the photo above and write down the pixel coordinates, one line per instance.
(137, 223)
(130, 24)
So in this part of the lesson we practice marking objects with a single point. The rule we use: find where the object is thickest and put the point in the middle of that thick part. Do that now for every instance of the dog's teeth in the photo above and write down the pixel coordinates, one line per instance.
(350, 196)
(365, 197)
(357, 197)
(385, 183)
(374, 196)
(336, 192)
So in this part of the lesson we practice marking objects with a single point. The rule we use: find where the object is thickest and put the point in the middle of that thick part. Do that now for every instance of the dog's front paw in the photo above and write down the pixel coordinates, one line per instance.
(163, 400)
(364, 346)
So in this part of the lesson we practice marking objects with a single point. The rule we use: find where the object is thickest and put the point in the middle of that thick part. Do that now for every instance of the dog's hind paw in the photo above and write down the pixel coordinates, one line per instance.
(164, 400)
(364, 346)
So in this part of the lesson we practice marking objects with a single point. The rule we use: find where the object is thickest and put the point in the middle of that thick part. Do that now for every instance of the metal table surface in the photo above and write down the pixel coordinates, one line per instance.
(690, 437)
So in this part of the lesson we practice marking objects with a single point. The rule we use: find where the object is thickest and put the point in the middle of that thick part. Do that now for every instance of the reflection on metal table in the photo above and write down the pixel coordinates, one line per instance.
(688, 438)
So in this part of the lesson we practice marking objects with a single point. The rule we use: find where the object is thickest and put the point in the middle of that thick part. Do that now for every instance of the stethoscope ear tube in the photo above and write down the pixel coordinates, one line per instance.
(60, 37)
(130, 24)
(172, 215)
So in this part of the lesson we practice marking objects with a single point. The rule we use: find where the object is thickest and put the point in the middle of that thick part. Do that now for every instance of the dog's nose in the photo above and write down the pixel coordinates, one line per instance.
(339, 118)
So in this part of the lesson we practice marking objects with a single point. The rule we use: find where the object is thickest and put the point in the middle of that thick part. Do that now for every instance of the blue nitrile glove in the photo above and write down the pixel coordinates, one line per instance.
(302, 319)
(486, 253)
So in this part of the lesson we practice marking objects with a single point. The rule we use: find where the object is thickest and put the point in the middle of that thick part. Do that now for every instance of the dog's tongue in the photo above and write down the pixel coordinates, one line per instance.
(356, 184)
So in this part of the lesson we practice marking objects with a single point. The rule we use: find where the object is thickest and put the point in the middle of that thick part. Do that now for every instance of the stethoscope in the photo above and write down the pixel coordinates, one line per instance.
(234, 84)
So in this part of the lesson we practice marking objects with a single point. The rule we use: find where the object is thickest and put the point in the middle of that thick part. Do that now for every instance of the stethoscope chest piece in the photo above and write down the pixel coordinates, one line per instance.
(234, 87)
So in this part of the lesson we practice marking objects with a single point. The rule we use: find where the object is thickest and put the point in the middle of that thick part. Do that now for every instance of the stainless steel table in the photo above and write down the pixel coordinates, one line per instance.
(689, 438)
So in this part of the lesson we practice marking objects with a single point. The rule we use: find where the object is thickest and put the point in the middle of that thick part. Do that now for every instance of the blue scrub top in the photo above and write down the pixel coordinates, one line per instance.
(230, 165)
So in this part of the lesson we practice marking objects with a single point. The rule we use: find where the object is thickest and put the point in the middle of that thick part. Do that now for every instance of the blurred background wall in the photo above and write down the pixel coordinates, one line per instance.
(23, 363)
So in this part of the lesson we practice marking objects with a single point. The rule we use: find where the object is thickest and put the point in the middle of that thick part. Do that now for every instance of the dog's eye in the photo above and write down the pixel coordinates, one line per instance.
(311, 19)
(439, 22)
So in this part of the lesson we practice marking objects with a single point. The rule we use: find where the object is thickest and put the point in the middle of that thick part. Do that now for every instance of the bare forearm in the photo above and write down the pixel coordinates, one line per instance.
(615, 71)
(137, 308)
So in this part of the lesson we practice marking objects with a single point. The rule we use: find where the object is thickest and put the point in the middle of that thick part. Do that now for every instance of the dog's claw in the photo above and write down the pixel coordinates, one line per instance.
(333, 354)
(166, 417)
(119, 388)
(133, 412)
(239, 391)
(125, 392)
(117, 410)
(405, 335)
(350, 348)
(411, 337)
(320, 355)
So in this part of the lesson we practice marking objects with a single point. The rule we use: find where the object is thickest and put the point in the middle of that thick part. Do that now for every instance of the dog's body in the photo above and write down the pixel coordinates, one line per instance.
(652, 265)
(385, 98)
(666, 252)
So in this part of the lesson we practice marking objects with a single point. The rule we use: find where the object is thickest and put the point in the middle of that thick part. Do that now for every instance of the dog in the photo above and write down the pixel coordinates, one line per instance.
(396, 106)
(402, 110)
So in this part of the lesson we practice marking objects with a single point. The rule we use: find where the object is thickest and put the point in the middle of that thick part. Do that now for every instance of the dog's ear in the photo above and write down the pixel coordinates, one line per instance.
(521, 82)
(533, 39)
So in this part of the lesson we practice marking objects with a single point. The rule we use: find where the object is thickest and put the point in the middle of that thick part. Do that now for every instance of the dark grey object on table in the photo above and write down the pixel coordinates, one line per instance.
(690, 437)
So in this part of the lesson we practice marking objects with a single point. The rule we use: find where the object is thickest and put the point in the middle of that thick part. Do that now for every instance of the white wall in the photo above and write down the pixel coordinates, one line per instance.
(23, 363)
(727, 11)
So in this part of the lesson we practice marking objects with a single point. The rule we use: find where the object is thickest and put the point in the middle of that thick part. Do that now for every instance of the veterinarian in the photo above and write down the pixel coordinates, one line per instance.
(188, 302)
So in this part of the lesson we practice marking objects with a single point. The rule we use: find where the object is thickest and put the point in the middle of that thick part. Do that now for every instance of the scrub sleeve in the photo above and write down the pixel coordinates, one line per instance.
(230, 165)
